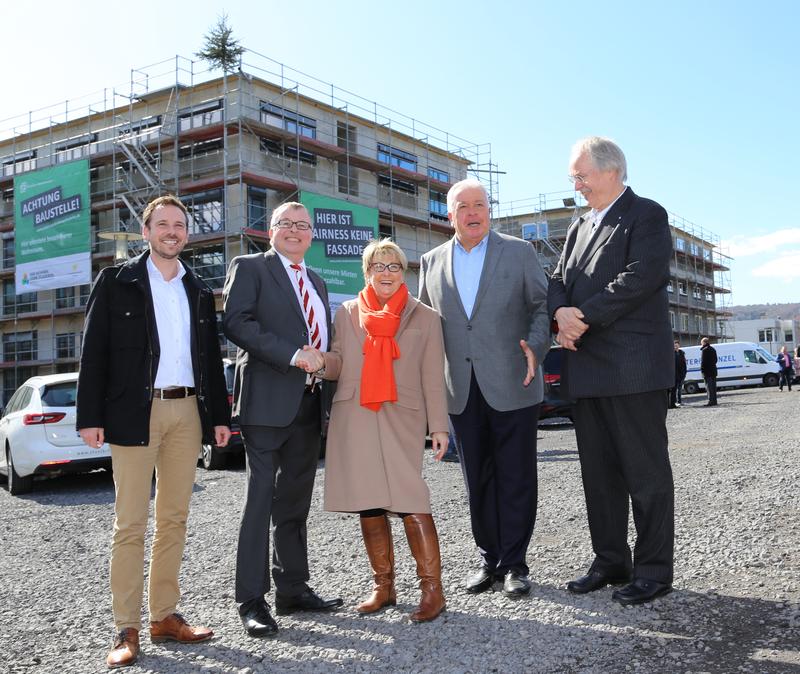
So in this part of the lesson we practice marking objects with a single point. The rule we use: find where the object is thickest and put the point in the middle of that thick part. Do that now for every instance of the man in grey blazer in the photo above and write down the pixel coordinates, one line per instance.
(279, 410)
(608, 296)
(491, 292)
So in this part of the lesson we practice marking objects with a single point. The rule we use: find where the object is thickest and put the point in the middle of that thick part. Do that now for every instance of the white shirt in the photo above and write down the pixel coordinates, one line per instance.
(314, 298)
(173, 320)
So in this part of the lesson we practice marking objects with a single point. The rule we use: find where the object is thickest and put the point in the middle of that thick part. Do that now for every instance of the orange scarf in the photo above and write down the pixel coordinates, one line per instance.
(380, 349)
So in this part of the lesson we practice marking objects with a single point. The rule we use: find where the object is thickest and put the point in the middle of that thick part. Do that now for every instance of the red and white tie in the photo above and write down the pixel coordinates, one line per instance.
(315, 338)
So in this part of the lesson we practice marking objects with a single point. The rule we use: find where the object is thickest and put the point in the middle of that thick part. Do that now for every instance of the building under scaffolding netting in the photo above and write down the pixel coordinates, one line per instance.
(232, 147)
(699, 286)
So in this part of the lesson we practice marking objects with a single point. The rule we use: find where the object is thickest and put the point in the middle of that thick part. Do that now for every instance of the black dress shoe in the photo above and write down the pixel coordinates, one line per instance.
(640, 591)
(594, 580)
(307, 601)
(480, 581)
(516, 584)
(256, 618)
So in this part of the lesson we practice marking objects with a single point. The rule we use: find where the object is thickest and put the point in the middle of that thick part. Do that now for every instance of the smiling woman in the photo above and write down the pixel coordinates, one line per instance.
(388, 357)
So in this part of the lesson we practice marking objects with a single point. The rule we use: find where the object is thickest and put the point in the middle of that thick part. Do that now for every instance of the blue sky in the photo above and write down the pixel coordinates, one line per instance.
(702, 96)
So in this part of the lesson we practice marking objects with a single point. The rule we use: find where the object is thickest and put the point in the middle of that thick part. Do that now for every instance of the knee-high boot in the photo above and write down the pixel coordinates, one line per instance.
(377, 533)
(424, 544)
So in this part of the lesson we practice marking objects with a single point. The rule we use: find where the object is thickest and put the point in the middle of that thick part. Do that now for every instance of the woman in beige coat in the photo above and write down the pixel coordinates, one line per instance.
(388, 356)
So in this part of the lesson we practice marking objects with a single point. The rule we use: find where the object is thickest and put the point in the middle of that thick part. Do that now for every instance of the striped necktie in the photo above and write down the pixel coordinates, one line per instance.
(315, 337)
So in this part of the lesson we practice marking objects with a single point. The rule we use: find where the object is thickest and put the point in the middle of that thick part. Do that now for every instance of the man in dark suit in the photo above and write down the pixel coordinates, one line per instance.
(491, 293)
(608, 297)
(277, 313)
(680, 375)
(708, 368)
(151, 384)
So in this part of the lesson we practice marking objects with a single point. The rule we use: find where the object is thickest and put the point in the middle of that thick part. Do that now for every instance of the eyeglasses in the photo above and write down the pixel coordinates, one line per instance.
(379, 267)
(301, 225)
(578, 178)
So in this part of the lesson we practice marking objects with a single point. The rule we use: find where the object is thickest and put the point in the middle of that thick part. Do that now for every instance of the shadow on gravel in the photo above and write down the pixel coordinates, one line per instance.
(96, 487)
(557, 455)
(82, 488)
(701, 631)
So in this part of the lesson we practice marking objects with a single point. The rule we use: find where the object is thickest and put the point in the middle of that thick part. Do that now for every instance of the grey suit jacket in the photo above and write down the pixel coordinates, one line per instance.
(264, 319)
(510, 306)
(618, 280)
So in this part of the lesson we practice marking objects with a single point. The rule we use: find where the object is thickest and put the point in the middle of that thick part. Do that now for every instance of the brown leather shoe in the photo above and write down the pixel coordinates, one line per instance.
(125, 649)
(175, 628)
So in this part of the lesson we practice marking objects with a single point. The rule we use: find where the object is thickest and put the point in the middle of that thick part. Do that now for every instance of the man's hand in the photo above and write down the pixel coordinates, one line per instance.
(93, 437)
(570, 326)
(439, 441)
(221, 435)
(310, 359)
(531, 358)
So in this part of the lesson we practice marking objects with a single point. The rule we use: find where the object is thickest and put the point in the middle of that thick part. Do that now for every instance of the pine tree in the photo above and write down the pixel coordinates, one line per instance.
(220, 49)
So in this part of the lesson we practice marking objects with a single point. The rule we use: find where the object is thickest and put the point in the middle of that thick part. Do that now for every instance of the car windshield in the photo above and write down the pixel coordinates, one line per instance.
(766, 354)
(59, 395)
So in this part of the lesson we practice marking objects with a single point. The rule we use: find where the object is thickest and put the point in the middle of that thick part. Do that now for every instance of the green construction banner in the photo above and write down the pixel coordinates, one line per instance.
(341, 232)
(52, 228)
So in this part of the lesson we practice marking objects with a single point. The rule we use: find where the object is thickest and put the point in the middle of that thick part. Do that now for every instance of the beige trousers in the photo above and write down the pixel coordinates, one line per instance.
(175, 438)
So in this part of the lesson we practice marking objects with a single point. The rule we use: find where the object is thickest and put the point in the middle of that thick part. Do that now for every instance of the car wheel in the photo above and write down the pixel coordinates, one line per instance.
(691, 388)
(212, 458)
(771, 379)
(16, 484)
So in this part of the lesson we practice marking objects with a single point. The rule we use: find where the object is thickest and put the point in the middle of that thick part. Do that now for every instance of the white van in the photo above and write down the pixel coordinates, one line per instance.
(738, 364)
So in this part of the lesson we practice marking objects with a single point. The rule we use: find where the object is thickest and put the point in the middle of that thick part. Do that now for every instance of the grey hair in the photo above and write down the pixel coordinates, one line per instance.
(605, 154)
(381, 248)
(462, 185)
(287, 206)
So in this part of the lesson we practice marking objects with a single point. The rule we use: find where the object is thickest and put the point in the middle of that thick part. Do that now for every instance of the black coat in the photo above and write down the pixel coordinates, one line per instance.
(119, 360)
(708, 361)
(618, 278)
(680, 366)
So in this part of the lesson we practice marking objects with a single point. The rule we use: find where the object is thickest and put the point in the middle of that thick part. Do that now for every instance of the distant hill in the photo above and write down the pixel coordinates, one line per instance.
(747, 312)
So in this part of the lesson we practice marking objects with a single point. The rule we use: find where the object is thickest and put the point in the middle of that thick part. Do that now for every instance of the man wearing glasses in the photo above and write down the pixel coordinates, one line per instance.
(608, 295)
(277, 313)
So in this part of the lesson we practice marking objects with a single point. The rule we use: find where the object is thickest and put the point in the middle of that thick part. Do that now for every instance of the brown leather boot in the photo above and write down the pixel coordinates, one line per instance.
(377, 533)
(424, 544)
(125, 649)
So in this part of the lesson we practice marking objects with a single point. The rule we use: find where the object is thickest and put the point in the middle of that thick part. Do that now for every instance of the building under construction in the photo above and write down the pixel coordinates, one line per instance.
(232, 147)
(699, 286)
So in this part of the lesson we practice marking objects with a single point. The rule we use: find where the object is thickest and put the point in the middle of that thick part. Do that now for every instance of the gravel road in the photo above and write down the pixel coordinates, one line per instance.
(736, 605)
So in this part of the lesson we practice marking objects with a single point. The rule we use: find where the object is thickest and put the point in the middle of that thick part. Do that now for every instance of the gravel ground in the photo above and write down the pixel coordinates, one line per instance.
(736, 605)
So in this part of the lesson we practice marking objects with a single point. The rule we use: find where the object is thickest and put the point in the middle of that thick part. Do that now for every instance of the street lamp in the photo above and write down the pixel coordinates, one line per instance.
(121, 240)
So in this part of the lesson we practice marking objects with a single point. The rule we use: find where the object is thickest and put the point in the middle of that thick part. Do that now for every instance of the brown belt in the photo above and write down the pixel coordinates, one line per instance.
(173, 393)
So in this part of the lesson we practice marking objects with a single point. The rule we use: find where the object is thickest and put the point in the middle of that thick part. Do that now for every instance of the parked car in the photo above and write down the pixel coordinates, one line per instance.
(38, 436)
(213, 457)
(555, 403)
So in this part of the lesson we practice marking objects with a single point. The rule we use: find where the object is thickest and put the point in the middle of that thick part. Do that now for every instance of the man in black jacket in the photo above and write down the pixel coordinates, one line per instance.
(608, 296)
(708, 367)
(151, 384)
(680, 375)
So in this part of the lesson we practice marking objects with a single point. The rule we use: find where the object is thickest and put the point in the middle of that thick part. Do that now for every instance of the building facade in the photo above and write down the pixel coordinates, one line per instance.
(233, 148)
(770, 333)
(699, 284)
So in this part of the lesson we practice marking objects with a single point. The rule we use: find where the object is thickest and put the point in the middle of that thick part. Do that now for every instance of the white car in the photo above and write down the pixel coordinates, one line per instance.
(38, 436)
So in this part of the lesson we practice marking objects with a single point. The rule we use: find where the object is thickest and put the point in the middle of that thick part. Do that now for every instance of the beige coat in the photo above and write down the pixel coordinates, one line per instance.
(374, 459)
